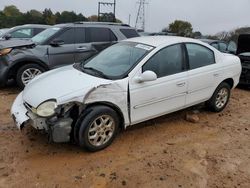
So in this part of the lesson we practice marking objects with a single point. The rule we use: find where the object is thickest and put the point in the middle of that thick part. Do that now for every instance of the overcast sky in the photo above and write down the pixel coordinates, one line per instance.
(207, 16)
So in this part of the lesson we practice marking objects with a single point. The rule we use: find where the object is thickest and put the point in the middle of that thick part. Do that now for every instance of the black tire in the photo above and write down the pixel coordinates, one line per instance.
(94, 115)
(212, 103)
(24, 68)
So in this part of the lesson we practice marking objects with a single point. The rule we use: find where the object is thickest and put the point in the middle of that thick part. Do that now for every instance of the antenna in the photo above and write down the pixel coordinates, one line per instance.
(140, 18)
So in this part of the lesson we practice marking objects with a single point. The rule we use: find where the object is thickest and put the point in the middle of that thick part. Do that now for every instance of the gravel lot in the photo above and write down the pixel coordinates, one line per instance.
(165, 152)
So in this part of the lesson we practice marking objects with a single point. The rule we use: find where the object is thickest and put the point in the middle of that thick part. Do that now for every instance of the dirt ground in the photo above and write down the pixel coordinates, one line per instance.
(165, 152)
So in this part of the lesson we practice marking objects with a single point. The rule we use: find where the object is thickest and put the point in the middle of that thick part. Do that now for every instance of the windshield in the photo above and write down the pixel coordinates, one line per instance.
(44, 35)
(117, 60)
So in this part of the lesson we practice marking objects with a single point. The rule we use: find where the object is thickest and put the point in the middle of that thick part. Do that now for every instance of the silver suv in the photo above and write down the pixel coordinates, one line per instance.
(57, 46)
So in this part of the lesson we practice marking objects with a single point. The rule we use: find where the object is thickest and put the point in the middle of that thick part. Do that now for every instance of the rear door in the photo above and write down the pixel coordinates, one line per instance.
(65, 53)
(202, 73)
(84, 49)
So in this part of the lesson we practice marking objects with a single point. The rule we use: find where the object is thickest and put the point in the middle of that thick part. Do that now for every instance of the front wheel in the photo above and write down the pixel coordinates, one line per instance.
(26, 73)
(99, 128)
(220, 98)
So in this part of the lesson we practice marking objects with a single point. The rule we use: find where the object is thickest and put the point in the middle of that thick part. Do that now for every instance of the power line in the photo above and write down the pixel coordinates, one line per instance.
(100, 13)
(140, 18)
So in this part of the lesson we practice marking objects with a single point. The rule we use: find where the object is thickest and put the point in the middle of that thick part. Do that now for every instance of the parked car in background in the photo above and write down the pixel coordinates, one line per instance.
(243, 51)
(130, 82)
(219, 45)
(2, 31)
(23, 32)
(156, 33)
(57, 46)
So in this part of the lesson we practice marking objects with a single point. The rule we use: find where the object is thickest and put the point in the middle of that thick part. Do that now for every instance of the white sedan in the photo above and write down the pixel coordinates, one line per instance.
(130, 82)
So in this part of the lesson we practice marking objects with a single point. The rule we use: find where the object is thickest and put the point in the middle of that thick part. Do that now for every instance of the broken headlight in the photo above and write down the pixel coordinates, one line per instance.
(5, 51)
(47, 109)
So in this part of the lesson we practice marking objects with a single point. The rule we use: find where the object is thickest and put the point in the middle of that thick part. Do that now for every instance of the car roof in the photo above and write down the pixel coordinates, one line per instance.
(107, 24)
(31, 25)
(162, 40)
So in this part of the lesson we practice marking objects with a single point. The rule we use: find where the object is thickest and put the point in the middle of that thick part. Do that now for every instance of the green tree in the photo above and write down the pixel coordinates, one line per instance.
(49, 17)
(93, 18)
(34, 17)
(12, 16)
(11, 11)
(181, 28)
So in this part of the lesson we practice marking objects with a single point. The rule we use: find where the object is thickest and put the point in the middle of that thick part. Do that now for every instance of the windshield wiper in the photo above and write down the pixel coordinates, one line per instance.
(100, 73)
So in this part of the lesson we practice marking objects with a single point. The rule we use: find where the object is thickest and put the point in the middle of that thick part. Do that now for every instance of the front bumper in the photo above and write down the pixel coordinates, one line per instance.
(59, 129)
(19, 112)
(23, 116)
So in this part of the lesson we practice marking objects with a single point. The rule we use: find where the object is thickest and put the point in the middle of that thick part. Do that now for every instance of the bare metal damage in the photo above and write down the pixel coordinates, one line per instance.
(112, 94)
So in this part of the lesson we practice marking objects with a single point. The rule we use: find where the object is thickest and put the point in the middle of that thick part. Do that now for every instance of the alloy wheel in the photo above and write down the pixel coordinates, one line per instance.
(29, 74)
(221, 98)
(101, 130)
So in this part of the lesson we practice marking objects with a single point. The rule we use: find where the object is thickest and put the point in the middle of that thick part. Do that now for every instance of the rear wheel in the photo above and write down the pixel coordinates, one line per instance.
(26, 73)
(220, 98)
(99, 128)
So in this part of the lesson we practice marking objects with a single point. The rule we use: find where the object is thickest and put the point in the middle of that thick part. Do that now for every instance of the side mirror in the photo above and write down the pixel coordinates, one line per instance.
(147, 76)
(56, 43)
(7, 36)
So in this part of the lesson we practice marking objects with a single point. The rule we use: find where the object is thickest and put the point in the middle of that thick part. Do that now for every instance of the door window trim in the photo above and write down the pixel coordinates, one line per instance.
(184, 59)
(187, 56)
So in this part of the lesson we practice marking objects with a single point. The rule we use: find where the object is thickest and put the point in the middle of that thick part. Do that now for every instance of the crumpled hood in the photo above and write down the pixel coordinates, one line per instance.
(62, 84)
(12, 43)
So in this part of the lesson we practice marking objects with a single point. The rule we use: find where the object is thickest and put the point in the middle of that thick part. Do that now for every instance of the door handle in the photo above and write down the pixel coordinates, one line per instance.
(82, 48)
(181, 84)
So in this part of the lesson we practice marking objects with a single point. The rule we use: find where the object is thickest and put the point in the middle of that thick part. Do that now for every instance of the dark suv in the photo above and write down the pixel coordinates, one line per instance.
(59, 45)
(23, 32)
(243, 51)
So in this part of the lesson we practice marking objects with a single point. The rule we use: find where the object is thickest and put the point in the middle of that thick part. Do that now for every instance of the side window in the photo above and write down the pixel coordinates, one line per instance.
(80, 35)
(199, 56)
(166, 62)
(97, 34)
(129, 33)
(223, 46)
(22, 33)
(67, 36)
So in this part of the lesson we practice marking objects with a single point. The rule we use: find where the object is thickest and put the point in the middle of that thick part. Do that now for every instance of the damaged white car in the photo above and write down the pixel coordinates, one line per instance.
(130, 82)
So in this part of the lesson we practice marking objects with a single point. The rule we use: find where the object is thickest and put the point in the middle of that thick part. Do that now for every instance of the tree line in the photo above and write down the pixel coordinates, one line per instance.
(11, 16)
(184, 28)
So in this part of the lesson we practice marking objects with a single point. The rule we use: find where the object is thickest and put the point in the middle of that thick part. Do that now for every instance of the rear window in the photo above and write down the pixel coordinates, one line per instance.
(129, 33)
(97, 34)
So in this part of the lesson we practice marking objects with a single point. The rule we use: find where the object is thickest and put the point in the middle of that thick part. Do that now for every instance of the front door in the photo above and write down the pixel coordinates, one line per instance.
(63, 54)
(164, 95)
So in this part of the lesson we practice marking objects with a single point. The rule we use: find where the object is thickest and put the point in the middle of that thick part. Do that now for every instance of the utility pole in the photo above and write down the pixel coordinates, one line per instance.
(140, 18)
(100, 13)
